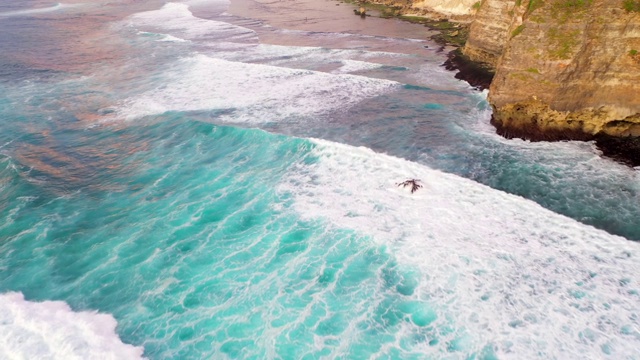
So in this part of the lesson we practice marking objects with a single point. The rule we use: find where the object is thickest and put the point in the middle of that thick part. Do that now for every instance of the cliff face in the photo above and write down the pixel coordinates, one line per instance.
(565, 69)
(490, 29)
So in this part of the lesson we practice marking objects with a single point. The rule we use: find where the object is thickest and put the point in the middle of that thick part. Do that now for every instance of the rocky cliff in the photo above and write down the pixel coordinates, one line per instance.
(564, 68)
(490, 29)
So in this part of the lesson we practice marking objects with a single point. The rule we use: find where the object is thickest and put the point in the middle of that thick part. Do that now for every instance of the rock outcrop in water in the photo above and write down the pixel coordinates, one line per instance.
(564, 69)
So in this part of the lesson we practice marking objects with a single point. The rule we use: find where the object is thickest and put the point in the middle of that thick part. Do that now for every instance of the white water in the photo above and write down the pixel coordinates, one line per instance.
(252, 93)
(535, 283)
(176, 18)
(51, 330)
(56, 7)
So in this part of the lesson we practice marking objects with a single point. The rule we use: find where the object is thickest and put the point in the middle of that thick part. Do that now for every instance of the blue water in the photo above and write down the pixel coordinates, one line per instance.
(224, 196)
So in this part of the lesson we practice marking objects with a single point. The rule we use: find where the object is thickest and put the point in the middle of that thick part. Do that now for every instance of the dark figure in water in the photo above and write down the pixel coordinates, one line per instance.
(413, 182)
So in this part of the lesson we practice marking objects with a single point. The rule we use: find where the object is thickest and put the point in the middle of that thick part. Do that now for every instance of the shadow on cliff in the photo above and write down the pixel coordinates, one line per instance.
(476, 74)
(625, 150)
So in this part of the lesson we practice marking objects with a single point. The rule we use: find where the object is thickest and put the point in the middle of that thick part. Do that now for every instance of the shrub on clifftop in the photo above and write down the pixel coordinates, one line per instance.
(631, 5)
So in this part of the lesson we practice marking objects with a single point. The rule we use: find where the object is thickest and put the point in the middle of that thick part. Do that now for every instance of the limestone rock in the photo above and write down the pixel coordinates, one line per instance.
(489, 31)
(563, 67)
(456, 10)
(448, 7)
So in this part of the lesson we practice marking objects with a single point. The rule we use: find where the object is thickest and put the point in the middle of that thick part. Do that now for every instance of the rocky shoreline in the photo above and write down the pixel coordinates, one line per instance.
(625, 150)
(475, 73)
(448, 33)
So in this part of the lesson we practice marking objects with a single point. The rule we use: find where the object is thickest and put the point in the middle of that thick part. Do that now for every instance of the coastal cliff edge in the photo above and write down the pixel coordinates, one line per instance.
(564, 69)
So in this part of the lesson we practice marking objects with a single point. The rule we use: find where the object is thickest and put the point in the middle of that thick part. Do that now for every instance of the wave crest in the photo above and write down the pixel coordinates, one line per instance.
(50, 329)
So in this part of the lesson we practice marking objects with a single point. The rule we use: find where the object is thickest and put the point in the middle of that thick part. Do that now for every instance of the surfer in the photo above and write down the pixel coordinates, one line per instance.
(413, 182)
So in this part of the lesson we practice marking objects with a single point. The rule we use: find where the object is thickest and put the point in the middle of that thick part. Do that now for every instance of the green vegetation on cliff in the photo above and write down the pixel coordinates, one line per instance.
(562, 43)
(573, 4)
(565, 10)
(533, 5)
(631, 5)
(517, 31)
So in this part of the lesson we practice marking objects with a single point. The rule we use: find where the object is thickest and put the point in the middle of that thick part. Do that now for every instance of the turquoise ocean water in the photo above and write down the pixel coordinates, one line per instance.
(174, 187)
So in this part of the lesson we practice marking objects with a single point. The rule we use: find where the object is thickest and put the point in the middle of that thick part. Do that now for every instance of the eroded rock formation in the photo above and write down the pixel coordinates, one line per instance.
(456, 10)
(450, 8)
(490, 29)
(565, 69)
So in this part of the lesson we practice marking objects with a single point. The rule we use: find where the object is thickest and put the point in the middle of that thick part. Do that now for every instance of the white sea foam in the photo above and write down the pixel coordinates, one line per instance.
(251, 93)
(516, 277)
(51, 330)
(272, 54)
(350, 66)
(56, 7)
(177, 20)
(582, 158)
(311, 56)
(437, 77)
(206, 2)
(163, 37)
(170, 38)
